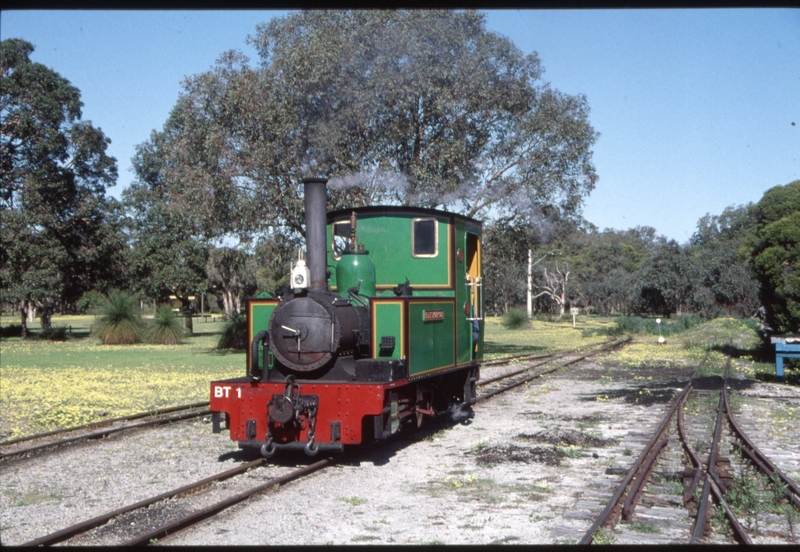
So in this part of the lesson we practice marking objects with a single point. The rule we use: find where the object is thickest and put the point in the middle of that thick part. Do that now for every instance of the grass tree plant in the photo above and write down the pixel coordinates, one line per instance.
(234, 333)
(515, 319)
(119, 323)
(165, 329)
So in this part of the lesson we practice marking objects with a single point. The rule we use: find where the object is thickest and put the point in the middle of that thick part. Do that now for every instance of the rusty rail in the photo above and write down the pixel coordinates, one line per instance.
(713, 483)
(83, 527)
(519, 382)
(101, 423)
(196, 517)
(102, 433)
(612, 510)
(758, 458)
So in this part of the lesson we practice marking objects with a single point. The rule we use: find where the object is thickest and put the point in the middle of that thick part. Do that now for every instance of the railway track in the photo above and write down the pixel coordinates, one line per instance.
(545, 364)
(535, 356)
(709, 479)
(24, 446)
(79, 533)
(162, 530)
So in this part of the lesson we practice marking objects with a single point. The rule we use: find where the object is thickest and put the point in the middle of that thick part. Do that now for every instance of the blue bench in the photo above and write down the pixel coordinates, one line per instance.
(785, 347)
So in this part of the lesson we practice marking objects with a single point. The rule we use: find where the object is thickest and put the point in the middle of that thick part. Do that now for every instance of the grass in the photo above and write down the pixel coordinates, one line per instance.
(354, 500)
(234, 333)
(601, 536)
(515, 319)
(645, 528)
(543, 337)
(49, 385)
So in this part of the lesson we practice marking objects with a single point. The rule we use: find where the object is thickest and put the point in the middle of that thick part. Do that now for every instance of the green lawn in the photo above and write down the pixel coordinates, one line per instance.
(46, 385)
(542, 337)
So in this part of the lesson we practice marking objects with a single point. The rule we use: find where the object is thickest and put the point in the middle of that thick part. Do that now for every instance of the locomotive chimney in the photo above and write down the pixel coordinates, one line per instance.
(315, 199)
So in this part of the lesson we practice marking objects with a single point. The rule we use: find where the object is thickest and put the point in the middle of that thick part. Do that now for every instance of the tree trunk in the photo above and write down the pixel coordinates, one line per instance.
(187, 314)
(228, 304)
(46, 317)
(24, 312)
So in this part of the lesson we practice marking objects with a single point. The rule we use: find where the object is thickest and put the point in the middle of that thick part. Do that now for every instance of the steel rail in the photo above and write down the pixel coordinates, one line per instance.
(196, 517)
(754, 454)
(517, 383)
(702, 508)
(102, 433)
(69, 532)
(107, 421)
(611, 510)
(740, 533)
(637, 487)
(713, 482)
(509, 359)
(697, 464)
(483, 382)
(533, 356)
(698, 472)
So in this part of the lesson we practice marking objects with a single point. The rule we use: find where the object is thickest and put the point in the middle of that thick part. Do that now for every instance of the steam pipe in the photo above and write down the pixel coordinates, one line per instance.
(315, 199)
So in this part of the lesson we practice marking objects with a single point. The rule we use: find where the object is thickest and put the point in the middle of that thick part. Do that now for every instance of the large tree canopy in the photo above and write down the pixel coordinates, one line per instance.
(410, 107)
(727, 284)
(774, 248)
(59, 237)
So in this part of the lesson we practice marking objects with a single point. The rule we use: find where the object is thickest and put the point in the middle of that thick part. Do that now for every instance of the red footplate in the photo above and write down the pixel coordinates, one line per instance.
(341, 409)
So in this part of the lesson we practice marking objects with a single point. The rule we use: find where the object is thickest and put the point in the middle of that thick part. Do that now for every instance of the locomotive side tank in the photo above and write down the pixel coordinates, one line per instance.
(394, 335)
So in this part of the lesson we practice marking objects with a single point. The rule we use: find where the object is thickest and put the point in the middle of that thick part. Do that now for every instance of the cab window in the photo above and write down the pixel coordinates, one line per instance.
(424, 237)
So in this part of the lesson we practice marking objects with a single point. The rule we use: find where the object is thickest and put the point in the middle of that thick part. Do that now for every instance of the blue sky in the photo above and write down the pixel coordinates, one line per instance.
(694, 107)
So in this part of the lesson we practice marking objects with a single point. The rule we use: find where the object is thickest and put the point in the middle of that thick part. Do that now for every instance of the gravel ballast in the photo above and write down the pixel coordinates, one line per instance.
(528, 467)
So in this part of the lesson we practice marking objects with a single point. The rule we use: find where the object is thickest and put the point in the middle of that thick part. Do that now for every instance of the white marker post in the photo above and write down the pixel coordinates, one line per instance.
(574, 311)
(660, 339)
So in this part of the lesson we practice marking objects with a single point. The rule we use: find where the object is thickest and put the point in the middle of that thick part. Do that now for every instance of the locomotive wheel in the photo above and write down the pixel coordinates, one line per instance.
(424, 406)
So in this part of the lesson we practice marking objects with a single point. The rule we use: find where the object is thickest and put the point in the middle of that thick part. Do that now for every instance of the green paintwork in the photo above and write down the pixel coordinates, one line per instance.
(388, 240)
(258, 314)
(388, 321)
(355, 269)
(431, 344)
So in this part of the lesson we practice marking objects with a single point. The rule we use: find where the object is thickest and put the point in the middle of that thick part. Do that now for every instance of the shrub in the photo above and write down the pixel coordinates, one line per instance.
(687, 322)
(12, 330)
(627, 325)
(234, 333)
(58, 333)
(515, 319)
(120, 323)
(165, 328)
(91, 301)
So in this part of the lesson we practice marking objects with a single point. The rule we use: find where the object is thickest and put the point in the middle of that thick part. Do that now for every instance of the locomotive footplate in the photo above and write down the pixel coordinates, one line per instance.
(336, 412)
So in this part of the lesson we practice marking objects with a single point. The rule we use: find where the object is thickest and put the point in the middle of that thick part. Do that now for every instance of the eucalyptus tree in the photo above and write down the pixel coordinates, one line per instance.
(774, 254)
(422, 108)
(604, 264)
(727, 284)
(165, 257)
(231, 276)
(666, 282)
(60, 235)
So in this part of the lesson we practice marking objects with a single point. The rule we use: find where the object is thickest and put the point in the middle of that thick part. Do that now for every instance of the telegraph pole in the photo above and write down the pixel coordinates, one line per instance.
(530, 285)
